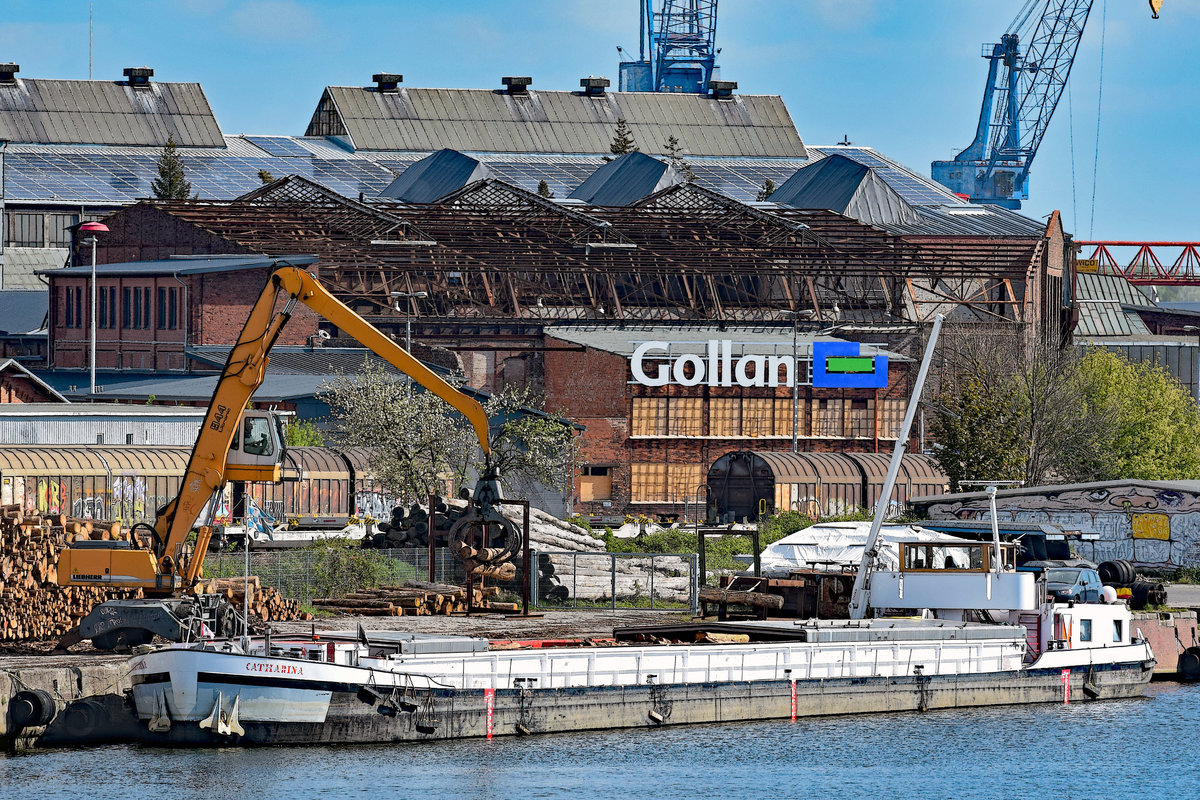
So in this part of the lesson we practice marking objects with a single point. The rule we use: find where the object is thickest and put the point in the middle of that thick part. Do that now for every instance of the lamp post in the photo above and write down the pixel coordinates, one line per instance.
(397, 297)
(795, 317)
(93, 228)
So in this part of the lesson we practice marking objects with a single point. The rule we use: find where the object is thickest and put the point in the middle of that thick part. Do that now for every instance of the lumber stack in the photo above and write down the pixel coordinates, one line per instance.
(412, 599)
(266, 602)
(33, 606)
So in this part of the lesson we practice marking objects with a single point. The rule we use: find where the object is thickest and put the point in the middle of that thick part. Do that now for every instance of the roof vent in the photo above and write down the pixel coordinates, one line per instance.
(722, 89)
(139, 77)
(8, 73)
(387, 81)
(594, 87)
(518, 85)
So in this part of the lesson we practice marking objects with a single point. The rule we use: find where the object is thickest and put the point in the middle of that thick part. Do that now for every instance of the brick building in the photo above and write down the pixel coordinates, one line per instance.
(149, 314)
(647, 448)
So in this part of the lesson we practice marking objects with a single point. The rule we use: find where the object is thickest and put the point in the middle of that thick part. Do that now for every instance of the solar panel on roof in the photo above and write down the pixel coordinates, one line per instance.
(278, 145)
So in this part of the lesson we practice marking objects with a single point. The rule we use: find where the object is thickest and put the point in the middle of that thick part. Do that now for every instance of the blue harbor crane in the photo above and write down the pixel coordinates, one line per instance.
(677, 49)
(1027, 71)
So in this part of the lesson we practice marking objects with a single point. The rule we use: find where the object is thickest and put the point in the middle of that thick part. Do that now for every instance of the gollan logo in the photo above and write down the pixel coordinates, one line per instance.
(835, 365)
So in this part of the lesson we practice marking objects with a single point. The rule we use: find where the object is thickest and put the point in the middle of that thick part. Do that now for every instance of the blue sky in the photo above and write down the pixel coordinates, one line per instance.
(903, 76)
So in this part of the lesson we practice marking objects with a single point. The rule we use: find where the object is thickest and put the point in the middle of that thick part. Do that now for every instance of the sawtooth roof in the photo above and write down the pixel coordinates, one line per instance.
(107, 112)
(487, 121)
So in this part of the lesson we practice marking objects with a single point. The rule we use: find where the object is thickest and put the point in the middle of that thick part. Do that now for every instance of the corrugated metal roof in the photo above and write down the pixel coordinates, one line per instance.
(21, 265)
(1110, 288)
(1102, 301)
(23, 311)
(107, 112)
(837, 183)
(563, 122)
(183, 265)
(436, 176)
(625, 180)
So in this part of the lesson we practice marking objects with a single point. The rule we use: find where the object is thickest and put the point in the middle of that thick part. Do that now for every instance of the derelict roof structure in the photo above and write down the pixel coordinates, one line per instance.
(486, 121)
(492, 251)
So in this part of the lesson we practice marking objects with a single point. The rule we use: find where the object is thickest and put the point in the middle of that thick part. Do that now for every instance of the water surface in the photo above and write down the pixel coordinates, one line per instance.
(1123, 749)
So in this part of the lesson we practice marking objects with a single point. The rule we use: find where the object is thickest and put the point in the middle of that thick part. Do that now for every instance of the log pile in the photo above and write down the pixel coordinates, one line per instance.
(412, 599)
(266, 602)
(33, 606)
(409, 527)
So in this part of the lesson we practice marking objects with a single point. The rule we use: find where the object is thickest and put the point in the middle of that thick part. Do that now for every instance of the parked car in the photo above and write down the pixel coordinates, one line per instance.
(1080, 584)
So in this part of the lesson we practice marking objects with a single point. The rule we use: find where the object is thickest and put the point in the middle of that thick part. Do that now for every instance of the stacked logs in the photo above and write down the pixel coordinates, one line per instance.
(33, 606)
(412, 599)
(409, 527)
(266, 602)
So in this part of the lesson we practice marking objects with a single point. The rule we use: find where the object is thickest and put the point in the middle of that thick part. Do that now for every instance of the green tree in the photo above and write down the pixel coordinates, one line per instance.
(622, 141)
(976, 430)
(303, 433)
(418, 443)
(171, 183)
(265, 177)
(543, 190)
(1154, 433)
(674, 153)
(528, 448)
(768, 189)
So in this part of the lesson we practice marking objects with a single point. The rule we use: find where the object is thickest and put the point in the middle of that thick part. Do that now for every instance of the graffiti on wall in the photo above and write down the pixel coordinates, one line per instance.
(376, 505)
(1149, 525)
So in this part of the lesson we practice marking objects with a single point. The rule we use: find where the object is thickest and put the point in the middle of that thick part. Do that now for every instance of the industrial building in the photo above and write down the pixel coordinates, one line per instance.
(543, 259)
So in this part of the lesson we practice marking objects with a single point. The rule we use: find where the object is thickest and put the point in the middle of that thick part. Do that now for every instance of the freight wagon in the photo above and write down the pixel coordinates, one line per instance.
(745, 484)
(322, 487)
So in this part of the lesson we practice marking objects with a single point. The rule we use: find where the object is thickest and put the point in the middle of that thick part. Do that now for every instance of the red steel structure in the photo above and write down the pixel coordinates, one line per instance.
(1161, 263)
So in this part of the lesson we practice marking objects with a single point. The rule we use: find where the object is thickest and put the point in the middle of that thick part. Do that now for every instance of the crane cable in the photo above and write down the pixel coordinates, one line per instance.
(1099, 103)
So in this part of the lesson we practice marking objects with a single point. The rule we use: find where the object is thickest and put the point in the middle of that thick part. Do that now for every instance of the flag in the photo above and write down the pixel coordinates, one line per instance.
(257, 519)
(206, 632)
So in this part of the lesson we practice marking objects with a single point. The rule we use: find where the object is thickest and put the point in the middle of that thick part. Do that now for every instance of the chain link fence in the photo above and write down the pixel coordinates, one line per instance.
(558, 579)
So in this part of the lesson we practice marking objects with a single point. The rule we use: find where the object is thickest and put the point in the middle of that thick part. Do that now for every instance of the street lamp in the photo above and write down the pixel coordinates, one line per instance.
(93, 228)
(398, 296)
(795, 317)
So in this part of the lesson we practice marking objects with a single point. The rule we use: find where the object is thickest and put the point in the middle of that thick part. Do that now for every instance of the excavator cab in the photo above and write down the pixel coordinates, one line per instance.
(256, 453)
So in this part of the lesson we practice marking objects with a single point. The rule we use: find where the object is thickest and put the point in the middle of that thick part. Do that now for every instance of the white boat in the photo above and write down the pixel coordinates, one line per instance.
(355, 687)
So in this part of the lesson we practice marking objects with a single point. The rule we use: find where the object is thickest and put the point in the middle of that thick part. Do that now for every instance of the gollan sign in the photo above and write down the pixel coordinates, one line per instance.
(834, 365)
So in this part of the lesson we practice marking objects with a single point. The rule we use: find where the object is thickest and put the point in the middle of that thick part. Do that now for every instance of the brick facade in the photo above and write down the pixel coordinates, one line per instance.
(593, 388)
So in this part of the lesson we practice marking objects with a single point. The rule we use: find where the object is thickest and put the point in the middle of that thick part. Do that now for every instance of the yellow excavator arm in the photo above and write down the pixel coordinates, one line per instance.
(208, 468)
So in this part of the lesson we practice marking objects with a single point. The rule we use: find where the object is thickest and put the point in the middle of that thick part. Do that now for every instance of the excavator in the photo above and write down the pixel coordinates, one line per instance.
(238, 443)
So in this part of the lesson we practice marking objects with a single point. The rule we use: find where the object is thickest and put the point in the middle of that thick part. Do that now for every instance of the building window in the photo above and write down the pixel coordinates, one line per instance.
(758, 417)
(126, 308)
(1085, 630)
(665, 483)
(685, 416)
(891, 417)
(862, 421)
(683, 482)
(129, 438)
(107, 307)
(168, 308)
(784, 411)
(73, 307)
(1118, 631)
(829, 417)
(725, 416)
(648, 483)
(25, 230)
(649, 416)
(59, 229)
(595, 483)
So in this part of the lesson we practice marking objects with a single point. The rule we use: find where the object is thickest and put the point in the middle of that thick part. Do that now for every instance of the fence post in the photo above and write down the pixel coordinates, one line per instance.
(613, 556)
(693, 585)
(652, 570)
(532, 577)
(575, 579)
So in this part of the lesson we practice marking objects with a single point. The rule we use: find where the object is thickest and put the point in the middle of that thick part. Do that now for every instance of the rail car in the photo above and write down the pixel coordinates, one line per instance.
(745, 484)
(321, 487)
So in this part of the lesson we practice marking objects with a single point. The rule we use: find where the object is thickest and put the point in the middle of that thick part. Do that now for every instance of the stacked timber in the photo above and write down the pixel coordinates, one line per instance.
(266, 602)
(409, 527)
(33, 606)
(412, 599)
